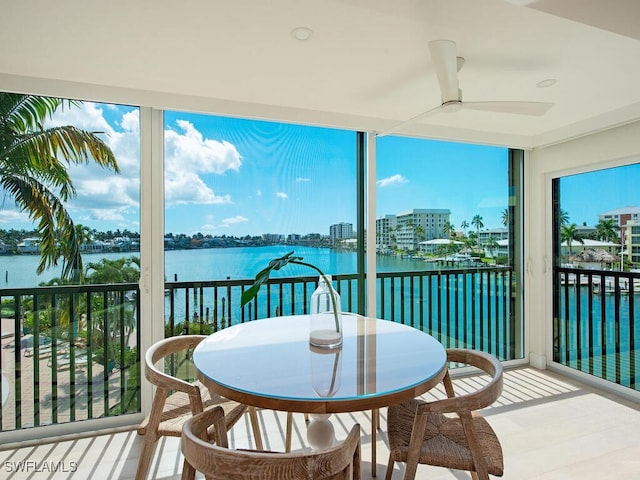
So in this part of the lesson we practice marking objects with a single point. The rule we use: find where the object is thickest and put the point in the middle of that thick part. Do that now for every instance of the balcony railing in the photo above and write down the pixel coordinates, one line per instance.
(71, 353)
(471, 308)
(596, 323)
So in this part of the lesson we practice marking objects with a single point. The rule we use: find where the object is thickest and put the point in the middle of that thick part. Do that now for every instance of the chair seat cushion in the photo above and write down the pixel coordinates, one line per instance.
(444, 443)
(177, 410)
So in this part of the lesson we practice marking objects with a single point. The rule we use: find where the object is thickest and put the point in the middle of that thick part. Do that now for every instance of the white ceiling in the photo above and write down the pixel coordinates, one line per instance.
(366, 67)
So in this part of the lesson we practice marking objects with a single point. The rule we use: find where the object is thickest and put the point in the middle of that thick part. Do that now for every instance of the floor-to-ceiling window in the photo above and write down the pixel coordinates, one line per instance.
(239, 193)
(69, 257)
(445, 236)
(596, 317)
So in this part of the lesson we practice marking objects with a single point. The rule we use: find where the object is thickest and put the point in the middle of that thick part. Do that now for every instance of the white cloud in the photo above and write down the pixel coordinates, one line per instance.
(131, 121)
(234, 220)
(87, 116)
(396, 179)
(189, 150)
(187, 187)
(102, 214)
(282, 195)
(303, 179)
(13, 216)
(188, 155)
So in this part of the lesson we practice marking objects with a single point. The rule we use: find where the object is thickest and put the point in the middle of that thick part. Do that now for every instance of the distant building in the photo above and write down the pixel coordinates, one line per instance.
(273, 237)
(502, 249)
(29, 245)
(440, 244)
(385, 228)
(621, 216)
(588, 244)
(496, 233)
(96, 246)
(340, 231)
(585, 231)
(632, 247)
(420, 224)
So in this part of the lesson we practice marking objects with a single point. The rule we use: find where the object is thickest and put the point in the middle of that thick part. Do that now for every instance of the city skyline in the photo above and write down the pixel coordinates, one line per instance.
(239, 177)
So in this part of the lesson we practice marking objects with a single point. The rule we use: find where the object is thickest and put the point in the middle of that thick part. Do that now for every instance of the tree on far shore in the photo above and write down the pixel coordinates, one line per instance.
(476, 221)
(607, 230)
(570, 234)
(506, 217)
(33, 172)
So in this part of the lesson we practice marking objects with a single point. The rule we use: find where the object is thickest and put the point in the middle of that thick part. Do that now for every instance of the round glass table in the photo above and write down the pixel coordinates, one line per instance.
(269, 364)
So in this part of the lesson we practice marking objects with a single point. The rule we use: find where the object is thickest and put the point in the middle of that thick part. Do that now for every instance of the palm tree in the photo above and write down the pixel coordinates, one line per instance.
(67, 247)
(564, 217)
(607, 230)
(491, 245)
(476, 221)
(464, 225)
(33, 171)
(506, 217)
(448, 229)
(570, 234)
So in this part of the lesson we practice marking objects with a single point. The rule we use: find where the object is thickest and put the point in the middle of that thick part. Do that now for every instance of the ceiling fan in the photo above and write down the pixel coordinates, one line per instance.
(447, 65)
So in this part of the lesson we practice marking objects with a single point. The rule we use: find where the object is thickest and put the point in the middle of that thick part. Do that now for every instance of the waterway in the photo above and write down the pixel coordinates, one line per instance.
(19, 271)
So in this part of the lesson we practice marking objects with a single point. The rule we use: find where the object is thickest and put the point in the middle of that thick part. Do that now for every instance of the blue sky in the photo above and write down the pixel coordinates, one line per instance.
(244, 177)
(586, 195)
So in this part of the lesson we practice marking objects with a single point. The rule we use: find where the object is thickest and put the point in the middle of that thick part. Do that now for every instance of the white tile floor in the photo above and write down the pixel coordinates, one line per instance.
(550, 428)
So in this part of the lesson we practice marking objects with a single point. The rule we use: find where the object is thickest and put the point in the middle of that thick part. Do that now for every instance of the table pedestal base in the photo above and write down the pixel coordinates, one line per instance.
(320, 431)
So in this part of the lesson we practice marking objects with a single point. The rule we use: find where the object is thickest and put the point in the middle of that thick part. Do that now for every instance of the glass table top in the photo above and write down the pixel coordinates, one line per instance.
(272, 359)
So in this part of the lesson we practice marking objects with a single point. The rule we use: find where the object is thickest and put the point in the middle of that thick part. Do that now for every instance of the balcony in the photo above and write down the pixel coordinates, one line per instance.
(80, 361)
(551, 428)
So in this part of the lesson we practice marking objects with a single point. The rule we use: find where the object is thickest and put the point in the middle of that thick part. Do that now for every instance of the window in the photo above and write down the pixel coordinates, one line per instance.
(239, 193)
(596, 281)
(445, 241)
(70, 221)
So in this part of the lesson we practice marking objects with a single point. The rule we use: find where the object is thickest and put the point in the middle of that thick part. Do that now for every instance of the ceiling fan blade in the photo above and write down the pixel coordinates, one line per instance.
(406, 123)
(536, 109)
(443, 54)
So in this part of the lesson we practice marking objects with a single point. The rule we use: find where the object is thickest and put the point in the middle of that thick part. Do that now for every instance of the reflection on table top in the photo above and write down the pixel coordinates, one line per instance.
(268, 363)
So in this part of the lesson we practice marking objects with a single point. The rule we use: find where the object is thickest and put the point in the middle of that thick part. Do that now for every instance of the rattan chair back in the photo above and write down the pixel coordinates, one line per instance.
(218, 462)
(450, 432)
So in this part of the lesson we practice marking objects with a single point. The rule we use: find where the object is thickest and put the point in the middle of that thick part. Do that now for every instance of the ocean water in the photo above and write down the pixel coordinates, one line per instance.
(19, 271)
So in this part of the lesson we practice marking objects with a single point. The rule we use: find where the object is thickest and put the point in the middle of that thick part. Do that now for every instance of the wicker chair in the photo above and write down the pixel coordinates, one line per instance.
(420, 432)
(175, 400)
(341, 462)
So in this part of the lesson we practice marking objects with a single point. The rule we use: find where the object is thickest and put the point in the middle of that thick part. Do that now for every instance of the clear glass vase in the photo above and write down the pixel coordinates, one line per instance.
(326, 316)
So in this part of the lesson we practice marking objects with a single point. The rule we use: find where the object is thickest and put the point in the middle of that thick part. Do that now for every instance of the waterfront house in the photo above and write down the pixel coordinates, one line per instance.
(29, 246)
(96, 246)
(589, 244)
(364, 66)
(440, 245)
